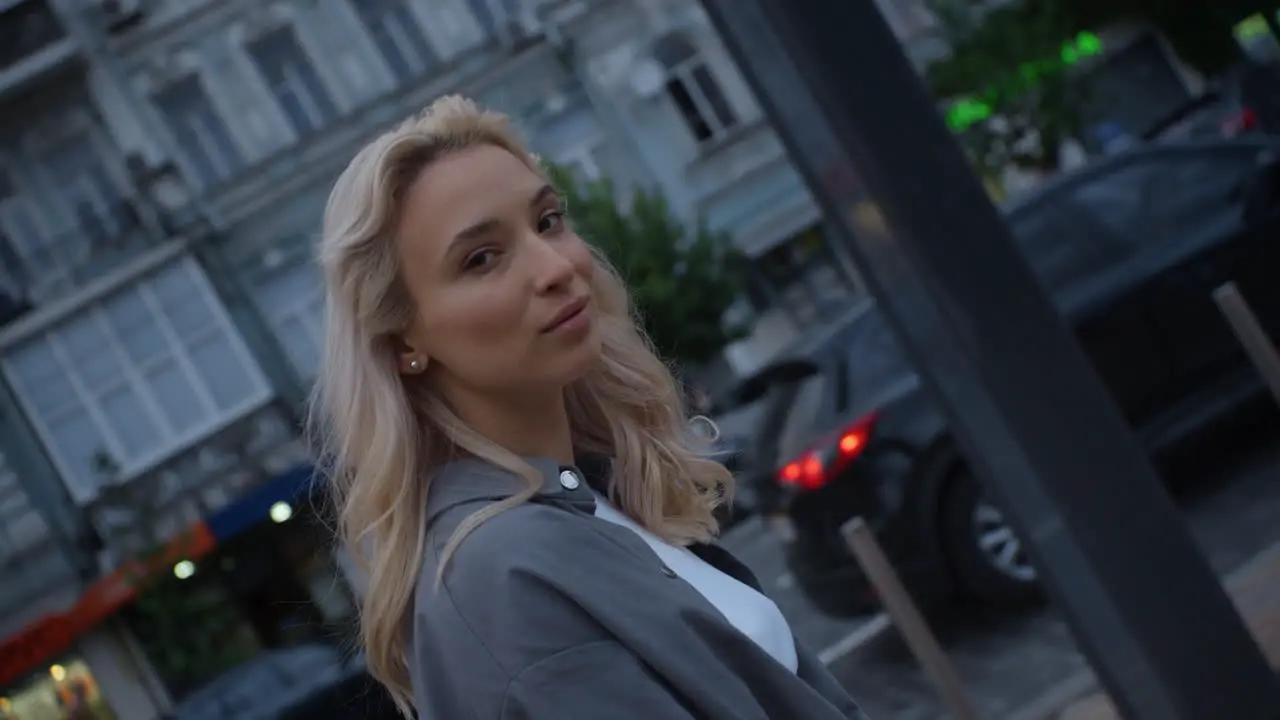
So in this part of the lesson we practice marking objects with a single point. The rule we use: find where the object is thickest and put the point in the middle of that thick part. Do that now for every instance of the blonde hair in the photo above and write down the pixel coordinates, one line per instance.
(381, 434)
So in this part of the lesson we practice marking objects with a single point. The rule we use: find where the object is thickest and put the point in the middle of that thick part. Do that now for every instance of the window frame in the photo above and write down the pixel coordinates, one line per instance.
(688, 71)
(778, 416)
(109, 193)
(41, 242)
(1109, 245)
(17, 512)
(299, 76)
(208, 165)
(82, 487)
(407, 45)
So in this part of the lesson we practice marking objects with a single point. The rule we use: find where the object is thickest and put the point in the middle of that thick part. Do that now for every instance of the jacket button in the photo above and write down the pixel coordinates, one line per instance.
(668, 572)
(569, 480)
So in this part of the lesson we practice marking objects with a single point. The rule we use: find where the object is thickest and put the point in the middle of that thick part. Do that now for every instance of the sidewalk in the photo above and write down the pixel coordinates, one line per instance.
(1255, 588)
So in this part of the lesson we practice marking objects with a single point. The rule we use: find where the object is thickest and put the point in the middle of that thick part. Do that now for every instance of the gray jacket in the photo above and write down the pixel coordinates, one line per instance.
(547, 613)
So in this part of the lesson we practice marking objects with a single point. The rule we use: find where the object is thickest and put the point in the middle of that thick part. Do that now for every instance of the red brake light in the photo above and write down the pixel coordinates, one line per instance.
(790, 473)
(818, 465)
(1248, 119)
(1244, 121)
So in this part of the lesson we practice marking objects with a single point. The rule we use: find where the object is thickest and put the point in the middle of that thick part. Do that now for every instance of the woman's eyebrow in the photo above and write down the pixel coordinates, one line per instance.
(476, 230)
(488, 225)
(544, 192)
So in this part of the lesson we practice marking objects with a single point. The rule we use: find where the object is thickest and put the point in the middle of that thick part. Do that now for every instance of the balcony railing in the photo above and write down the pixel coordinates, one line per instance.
(34, 44)
(136, 516)
(59, 264)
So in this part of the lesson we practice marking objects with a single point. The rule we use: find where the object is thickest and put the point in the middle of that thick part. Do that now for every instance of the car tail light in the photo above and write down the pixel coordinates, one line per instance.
(1242, 122)
(830, 455)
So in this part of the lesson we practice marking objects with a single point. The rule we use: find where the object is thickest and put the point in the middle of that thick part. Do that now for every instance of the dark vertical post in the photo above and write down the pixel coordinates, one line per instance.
(1043, 434)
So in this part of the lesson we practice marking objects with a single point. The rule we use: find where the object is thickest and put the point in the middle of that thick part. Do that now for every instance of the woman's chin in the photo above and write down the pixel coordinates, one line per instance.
(582, 359)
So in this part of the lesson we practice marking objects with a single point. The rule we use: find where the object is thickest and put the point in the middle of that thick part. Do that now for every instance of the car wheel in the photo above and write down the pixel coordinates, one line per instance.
(988, 558)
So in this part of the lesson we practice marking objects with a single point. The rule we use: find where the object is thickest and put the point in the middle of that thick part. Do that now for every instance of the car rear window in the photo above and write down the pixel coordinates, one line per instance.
(875, 359)
(1079, 229)
(799, 424)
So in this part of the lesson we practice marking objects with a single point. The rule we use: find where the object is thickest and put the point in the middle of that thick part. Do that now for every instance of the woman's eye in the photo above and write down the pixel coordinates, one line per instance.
(481, 260)
(551, 221)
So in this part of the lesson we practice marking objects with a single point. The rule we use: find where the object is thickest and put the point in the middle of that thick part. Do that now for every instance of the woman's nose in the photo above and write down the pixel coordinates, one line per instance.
(552, 270)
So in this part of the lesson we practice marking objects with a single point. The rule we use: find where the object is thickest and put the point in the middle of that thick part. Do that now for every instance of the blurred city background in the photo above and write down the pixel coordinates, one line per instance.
(163, 169)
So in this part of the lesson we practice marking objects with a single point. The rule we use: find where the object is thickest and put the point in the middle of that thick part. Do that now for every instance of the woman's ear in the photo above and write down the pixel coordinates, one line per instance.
(409, 359)
(413, 365)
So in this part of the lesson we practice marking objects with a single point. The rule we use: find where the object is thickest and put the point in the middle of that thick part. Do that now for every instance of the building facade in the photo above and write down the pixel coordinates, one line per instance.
(163, 168)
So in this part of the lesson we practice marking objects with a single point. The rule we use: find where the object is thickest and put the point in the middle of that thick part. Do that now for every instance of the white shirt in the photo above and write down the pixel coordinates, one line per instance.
(753, 614)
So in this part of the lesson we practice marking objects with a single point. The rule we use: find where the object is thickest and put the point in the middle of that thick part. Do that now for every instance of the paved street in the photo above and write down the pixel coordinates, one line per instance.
(1232, 499)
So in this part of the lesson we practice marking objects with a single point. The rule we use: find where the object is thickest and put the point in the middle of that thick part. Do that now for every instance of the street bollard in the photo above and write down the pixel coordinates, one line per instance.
(1253, 338)
(906, 616)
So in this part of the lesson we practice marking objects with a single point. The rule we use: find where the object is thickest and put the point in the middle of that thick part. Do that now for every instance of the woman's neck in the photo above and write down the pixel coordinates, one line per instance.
(527, 426)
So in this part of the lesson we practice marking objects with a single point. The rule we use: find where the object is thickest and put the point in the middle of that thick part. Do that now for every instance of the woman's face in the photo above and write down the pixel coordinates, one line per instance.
(501, 284)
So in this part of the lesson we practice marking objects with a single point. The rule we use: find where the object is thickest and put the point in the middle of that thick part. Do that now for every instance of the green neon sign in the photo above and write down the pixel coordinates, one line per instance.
(966, 111)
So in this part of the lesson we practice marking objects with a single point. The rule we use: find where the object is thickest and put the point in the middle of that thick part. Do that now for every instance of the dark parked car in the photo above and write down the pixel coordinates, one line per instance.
(1130, 250)
(306, 682)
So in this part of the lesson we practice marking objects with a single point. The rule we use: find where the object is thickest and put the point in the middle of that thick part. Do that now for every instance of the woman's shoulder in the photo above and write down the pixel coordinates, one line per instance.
(531, 536)
(532, 540)
(511, 583)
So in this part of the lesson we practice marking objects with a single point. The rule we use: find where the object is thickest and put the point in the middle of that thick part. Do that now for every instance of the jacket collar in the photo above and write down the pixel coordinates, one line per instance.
(464, 482)
(472, 480)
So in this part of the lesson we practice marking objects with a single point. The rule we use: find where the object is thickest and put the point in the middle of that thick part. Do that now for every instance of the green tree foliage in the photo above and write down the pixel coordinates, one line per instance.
(190, 637)
(1006, 73)
(682, 280)
(1011, 97)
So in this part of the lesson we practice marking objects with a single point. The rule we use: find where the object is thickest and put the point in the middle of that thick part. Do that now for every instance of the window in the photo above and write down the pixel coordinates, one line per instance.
(293, 303)
(135, 378)
(1120, 200)
(694, 89)
(27, 28)
(199, 129)
(21, 239)
(484, 13)
(798, 428)
(876, 359)
(76, 167)
(1062, 247)
(398, 37)
(1169, 194)
(20, 525)
(293, 81)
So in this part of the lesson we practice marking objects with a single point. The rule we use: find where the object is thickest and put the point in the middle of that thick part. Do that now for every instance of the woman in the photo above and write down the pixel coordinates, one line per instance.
(513, 464)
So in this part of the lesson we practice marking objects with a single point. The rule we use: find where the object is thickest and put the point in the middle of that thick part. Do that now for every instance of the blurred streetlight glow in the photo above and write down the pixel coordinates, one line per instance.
(281, 512)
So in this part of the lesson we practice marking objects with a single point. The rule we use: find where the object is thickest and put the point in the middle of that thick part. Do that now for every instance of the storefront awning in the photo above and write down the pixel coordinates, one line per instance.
(54, 634)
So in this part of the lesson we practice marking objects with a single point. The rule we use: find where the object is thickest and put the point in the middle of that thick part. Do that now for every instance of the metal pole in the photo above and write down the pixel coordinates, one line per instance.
(1023, 402)
(907, 618)
(1252, 336)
